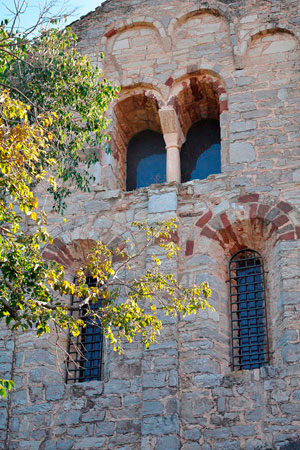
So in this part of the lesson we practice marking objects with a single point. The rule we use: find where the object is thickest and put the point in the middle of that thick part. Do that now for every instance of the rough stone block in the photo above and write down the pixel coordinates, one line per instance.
(90, 442)
(168, 442)
(152, 408)
(193, 405)
(162, 203)
(93, 415)
(154, 380)
(193, 434)
(192, 446)
(55, 392)
(237, 127)
(157, 426)
(241, 152)
(128, 426)
(243, 430)
(291, 353)
(105, 428)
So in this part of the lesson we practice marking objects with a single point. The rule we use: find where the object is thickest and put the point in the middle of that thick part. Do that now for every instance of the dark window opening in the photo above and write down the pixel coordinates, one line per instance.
(146, 160)
(85, 352)
(249, 332)
(201, 154)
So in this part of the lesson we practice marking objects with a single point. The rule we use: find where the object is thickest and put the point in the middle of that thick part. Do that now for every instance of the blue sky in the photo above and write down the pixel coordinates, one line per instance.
(29, 17)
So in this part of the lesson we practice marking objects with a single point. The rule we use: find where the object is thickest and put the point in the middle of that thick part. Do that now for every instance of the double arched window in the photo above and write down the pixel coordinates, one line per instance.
(249, 334)
(200, 155)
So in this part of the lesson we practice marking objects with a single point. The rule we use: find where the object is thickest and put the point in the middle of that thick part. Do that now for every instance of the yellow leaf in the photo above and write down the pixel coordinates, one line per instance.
(34, 216)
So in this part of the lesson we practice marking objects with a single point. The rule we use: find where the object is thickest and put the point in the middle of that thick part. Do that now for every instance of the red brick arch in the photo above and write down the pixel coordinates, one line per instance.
(248, 219)
(71, 255)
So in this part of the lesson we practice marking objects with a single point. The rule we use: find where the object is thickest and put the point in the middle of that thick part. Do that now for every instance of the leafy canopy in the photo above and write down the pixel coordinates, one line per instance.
(49, 74)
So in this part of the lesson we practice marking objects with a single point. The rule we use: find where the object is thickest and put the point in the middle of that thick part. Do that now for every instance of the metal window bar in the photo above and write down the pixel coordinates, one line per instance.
(85, 352)
(249, 330)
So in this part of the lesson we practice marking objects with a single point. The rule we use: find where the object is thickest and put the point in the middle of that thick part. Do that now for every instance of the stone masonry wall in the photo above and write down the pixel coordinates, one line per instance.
(236, 61)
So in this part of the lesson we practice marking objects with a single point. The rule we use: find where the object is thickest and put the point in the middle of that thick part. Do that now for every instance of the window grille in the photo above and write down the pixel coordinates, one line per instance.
(249, 333)
(85, 352)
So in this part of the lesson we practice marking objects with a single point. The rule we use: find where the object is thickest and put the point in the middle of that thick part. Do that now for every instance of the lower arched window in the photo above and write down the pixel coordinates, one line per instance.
(146, 160)
(85, 352)
(201, 154)
(249, 333)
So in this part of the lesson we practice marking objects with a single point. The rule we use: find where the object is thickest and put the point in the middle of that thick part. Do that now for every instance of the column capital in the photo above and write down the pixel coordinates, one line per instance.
(171, 128)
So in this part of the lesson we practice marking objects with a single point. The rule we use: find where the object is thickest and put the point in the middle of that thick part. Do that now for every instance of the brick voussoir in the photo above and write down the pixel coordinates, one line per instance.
(248, 198)
(208, 232)
(262, 210)
(285, 207)
(280, 221)
(253, 210)
(290, 236)
(204, 219)
(225, 220)
(189, 249)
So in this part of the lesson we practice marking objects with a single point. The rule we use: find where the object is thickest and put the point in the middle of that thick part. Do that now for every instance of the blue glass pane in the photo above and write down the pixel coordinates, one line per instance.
(208, 162)
(150, 170)
(146, 160)
(201, 154)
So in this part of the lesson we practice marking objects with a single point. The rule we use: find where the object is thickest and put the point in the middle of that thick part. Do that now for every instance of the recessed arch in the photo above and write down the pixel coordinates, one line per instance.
(136, 111)
(138, 41)
(251, 222)
(215, 8)
(265, 30)
(200, 98)
(116, 32)
(196, 96)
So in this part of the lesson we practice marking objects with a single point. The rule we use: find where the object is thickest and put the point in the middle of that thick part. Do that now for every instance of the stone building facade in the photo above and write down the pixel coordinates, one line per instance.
(179, 62)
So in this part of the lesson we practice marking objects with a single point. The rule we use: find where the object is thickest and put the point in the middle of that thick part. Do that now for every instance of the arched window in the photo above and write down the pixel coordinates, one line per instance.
(249, 334)
(201, 154)
(85, 352)
(146, 160)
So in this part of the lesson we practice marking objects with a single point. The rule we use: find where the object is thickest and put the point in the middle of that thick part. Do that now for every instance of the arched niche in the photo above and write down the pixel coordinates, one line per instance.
(201, 153)
(146, 160)
(199, 101)
(135, 46)
(197, 97)
(272, 47)
(203, 33)
(134, 113)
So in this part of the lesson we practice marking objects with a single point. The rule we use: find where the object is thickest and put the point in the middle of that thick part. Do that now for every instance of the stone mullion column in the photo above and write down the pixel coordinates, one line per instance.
(174, 139)
(160, 406)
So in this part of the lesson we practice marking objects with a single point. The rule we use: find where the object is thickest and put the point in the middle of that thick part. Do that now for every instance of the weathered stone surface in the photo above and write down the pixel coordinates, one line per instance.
(89, 442)
(160, 425)
(171, 442)
(55, 392)
(241, 152)
(162, 203)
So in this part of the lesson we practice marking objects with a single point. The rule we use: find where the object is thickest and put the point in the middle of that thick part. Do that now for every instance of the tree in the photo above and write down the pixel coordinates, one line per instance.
(34, 134)
(49, 74)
